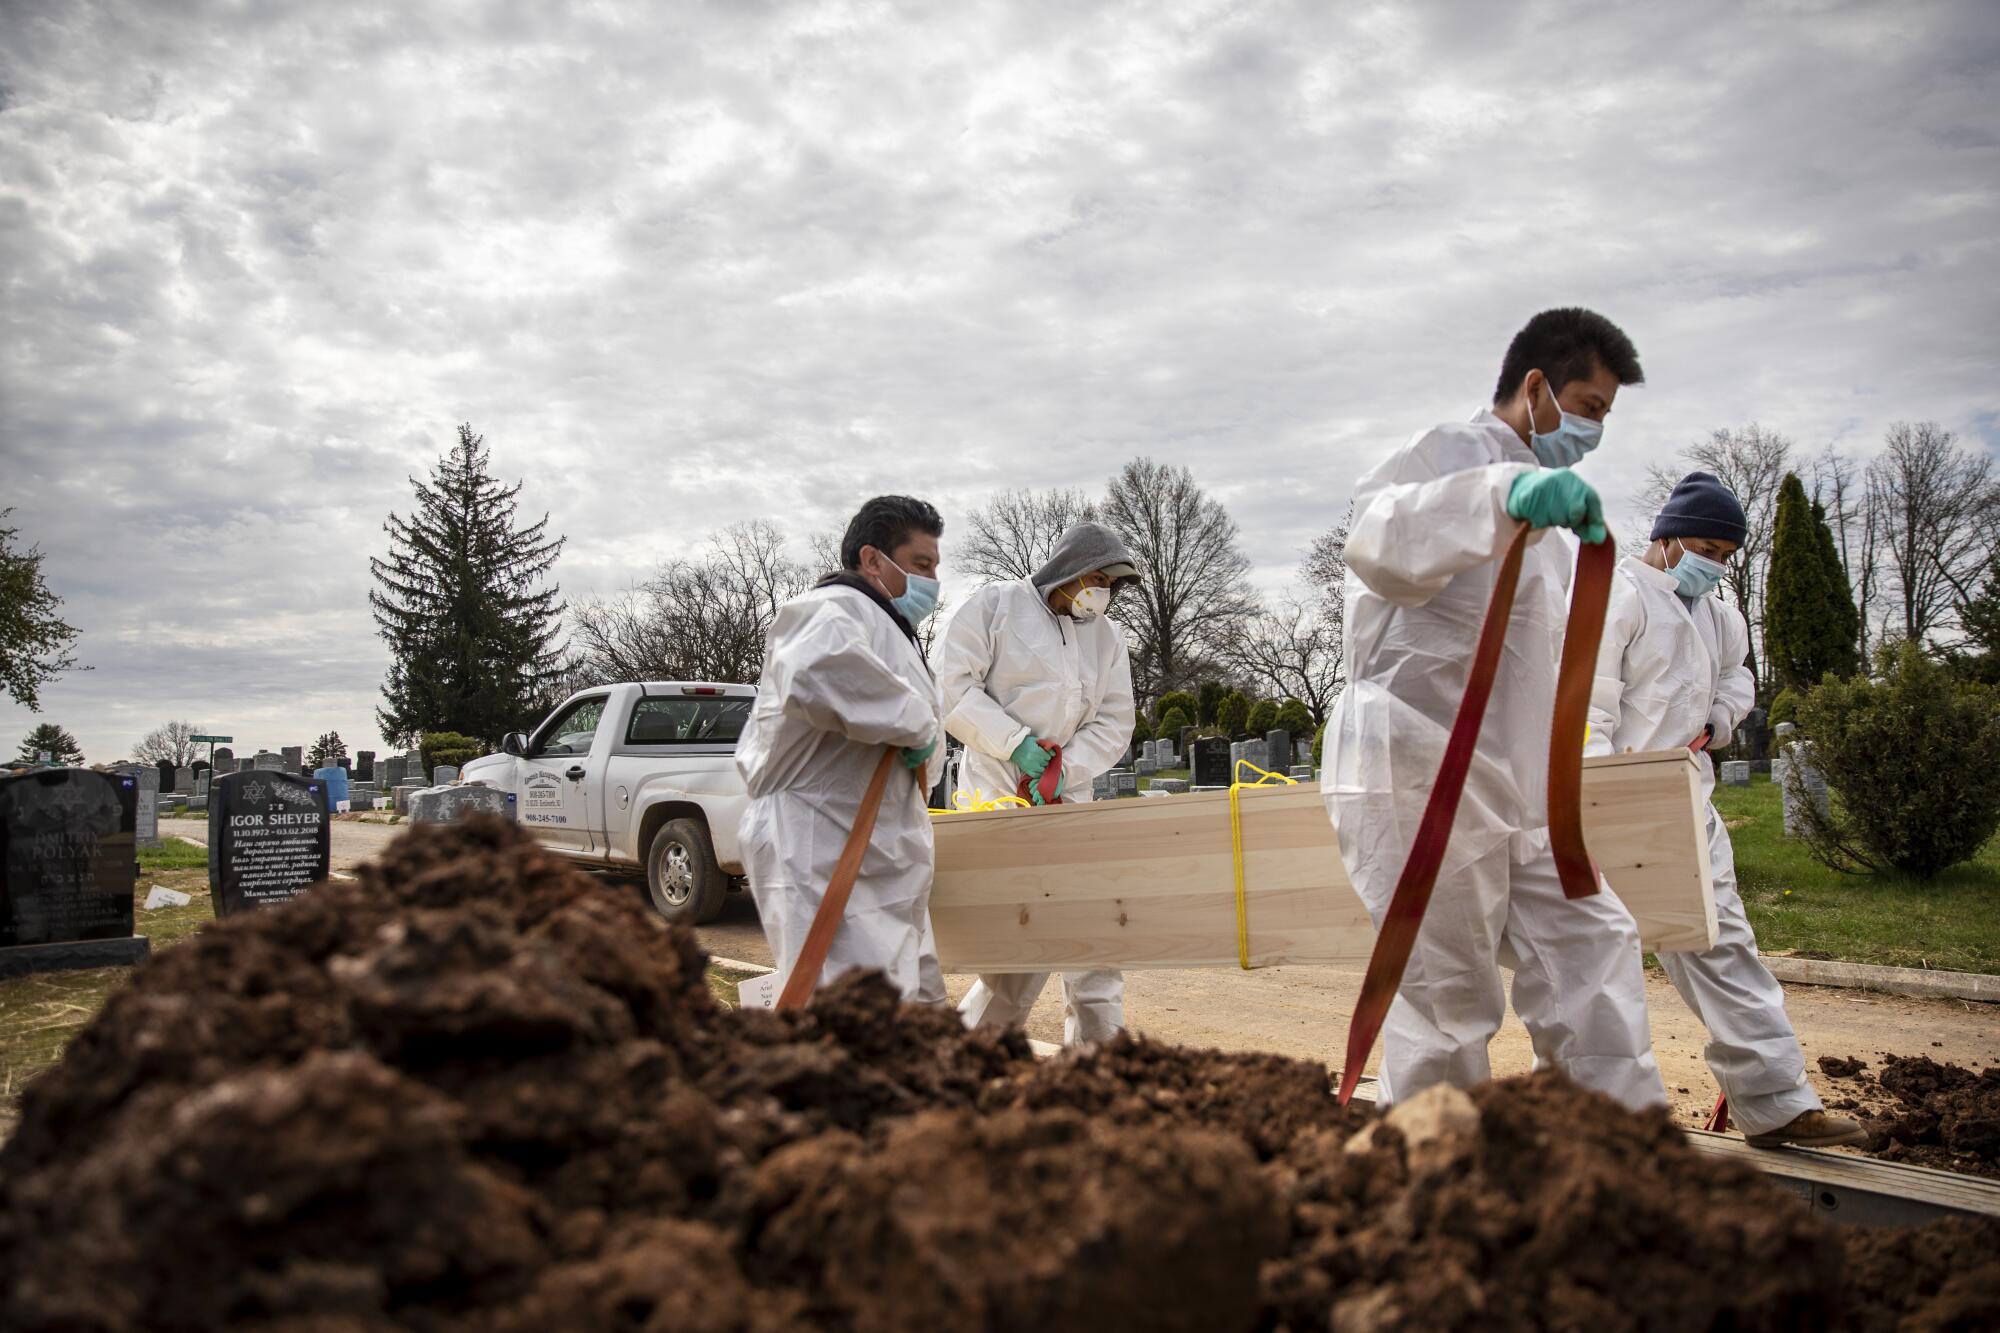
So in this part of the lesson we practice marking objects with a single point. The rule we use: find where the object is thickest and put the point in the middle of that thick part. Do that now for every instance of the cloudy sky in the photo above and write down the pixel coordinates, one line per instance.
(689, 264)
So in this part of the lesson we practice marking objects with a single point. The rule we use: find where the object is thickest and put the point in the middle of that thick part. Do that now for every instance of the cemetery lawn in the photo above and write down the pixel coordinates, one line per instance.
(723, 981)
(1796, 905)
(40, 1013)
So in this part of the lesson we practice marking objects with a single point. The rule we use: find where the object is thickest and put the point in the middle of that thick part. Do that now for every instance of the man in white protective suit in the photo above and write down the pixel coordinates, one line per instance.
(1671, 672)
(843, 677)
(1023, 666)
(1430, 524)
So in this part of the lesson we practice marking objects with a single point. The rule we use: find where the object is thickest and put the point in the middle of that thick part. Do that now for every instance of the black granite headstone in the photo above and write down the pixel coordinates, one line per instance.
(1278, 751)
(268, 838)
(1210, 763)
(67, 870)
(364, 765)
(166, 767)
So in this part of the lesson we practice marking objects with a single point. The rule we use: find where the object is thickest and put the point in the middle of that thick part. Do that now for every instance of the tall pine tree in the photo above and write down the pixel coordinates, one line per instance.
(52, 740)
(470, 630)
(1810, 623)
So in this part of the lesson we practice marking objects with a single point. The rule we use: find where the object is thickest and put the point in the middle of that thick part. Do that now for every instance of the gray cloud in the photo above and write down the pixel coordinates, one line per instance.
(691, 264)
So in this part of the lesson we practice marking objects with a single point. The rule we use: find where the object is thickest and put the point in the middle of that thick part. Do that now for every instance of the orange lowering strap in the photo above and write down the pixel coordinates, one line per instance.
(1393, 942)
(805, 972)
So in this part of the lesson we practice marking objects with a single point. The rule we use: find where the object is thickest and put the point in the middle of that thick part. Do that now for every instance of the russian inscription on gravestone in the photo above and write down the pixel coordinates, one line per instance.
(268, 838)
(67, 870)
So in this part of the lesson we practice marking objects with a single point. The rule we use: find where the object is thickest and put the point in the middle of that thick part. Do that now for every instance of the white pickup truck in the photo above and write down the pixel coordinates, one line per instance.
(639, 775)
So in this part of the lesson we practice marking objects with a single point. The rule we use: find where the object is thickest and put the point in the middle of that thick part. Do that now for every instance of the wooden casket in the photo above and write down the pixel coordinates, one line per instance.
(1151, 883)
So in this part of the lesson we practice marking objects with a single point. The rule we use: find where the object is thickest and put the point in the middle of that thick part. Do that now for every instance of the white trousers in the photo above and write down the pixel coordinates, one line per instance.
(1093, 1002)
(1579, 985)
(1752, 1050)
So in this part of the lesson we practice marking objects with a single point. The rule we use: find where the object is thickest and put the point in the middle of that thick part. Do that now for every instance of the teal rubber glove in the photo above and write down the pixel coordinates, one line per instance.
(1030, 757)
(1035, 791)
(916, 758)
(1555, 497)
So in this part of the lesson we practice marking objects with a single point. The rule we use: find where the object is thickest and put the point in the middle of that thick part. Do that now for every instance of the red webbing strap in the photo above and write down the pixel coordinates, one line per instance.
(1413, 886)
(1718, 1119)
(1050, 781)
(804, 977)
(1589, 595)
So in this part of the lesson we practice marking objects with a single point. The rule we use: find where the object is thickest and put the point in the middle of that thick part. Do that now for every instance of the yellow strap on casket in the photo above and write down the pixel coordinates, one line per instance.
(965, 802)
(1265, 778)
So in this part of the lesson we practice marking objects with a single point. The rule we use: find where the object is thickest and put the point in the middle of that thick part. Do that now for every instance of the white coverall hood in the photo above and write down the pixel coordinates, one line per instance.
(1667, 667)
(1008, 668)
(842, 680)
(1430, 524)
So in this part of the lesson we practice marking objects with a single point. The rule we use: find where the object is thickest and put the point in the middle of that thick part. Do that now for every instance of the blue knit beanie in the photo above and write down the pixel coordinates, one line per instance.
(1701, 506)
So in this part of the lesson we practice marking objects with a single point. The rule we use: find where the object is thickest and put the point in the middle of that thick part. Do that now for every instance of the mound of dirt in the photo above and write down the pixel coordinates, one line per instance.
(1926, 1113)
(474, 1089)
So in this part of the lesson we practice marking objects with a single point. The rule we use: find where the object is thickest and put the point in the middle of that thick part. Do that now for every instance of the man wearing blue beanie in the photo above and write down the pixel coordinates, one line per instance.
(1670, 673)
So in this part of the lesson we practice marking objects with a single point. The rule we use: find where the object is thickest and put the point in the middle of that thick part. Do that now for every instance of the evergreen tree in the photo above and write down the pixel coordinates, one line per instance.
(59, 745)
(1979, 658)
(326, 752)
(1263, 717)
(1233, 713)
(1208, 699)
(1810, 624)
(1295, 718)
(470, 631)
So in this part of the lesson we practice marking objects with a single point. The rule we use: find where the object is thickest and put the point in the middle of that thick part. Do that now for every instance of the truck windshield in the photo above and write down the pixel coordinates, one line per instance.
(687, 721)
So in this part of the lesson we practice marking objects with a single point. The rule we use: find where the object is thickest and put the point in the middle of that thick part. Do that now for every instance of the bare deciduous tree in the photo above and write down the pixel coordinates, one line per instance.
(1294, 651)
(1840, 485)
(173, 742)
(699, 619)
(1192, 599)
(1752, 463)
(1938, 504)
(1014, 535)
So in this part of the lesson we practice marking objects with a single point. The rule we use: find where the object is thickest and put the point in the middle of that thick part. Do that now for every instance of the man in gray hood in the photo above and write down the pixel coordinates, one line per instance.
(1030, 665)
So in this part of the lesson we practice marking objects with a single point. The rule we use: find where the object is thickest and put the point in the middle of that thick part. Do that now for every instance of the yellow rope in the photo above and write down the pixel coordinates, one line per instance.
(1265, 778)
(965, 802)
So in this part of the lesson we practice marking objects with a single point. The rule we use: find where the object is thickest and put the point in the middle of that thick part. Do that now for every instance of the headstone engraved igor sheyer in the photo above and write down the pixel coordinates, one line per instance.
(67, 870)
(268, 838)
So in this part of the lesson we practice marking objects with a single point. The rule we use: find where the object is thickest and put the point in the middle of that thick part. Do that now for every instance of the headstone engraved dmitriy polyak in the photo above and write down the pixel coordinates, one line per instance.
(67, 870)
(268, 838)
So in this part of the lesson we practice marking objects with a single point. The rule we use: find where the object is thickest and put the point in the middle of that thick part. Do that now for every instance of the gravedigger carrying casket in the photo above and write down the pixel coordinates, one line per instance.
(1030, 670)
(1670, 673)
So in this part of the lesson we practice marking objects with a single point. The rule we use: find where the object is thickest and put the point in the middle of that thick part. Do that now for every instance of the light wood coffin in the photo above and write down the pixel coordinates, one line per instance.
(1150, 882)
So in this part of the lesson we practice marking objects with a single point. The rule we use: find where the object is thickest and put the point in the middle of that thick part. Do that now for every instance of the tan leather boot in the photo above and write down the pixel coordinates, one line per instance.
(1813, 1129)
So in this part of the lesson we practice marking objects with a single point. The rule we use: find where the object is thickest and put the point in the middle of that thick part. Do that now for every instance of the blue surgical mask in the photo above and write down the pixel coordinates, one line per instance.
(919, 597)
(1697, 575)
(1565, 446)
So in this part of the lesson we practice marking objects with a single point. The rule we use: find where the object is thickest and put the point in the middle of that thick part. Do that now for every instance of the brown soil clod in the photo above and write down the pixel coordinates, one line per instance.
(1836, 1066)
(474, 1089)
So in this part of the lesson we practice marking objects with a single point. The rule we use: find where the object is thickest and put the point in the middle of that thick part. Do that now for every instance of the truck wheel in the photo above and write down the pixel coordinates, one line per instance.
(686, 884)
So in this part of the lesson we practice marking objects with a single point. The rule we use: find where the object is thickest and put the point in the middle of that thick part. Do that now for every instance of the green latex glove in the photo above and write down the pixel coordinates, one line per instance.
(1555, 497)
(1035, 792)
(913, 757)
(1030, 757)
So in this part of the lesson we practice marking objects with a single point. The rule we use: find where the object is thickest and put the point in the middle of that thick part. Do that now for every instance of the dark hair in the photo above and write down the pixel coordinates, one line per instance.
(885, 523)
(1567, 344)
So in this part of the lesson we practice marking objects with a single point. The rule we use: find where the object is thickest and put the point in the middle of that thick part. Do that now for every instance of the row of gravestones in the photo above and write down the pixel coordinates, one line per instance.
(392, 771)
(68, 854)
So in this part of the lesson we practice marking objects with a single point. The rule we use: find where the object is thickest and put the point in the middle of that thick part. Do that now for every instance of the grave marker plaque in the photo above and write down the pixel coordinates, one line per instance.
(1209, 760)
(67, 870)
(268, 838)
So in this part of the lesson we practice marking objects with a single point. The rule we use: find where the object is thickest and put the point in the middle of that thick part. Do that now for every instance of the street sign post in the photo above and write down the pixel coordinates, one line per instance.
(213, 741)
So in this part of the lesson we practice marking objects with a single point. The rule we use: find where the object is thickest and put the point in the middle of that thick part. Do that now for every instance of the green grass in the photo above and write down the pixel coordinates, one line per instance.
(1799, 906)
(40, 1013)
(172, 854)
(722, 983)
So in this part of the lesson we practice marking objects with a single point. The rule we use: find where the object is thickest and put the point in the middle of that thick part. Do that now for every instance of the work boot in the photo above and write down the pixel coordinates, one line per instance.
(1813, 1129)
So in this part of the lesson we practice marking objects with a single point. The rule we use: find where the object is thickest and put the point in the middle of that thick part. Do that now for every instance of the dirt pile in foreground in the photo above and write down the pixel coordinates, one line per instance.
(477, 1090)
(1923, 1112)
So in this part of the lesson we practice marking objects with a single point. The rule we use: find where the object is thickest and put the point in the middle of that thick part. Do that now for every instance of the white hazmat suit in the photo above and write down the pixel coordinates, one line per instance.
(1666, 668)
(1009, 668)
(1430, 525)
(841, 681)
